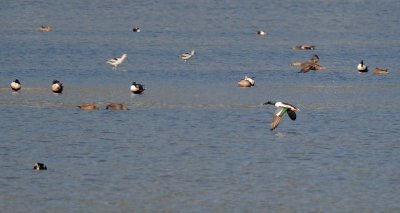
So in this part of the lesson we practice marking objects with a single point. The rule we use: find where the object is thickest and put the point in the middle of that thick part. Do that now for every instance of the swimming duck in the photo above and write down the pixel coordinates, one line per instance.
(260, 32)
(88, 107)
(304, 47)
(39, 166)
(116, 106)
(362, 67)
(247, 82)
(117, 61)
(136, 29)
(379, 71)
(137, 88)
(280, 109)
(187, 56)
(57, 86)
(45, 28)
(15, 85)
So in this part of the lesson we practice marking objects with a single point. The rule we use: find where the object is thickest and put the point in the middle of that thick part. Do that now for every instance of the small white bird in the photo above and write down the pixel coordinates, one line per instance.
(15, 85)
(57, 86)
(137, 88)
(280, 109)
(362, 67)
(187, 56)
(261, 32)
(117, 61)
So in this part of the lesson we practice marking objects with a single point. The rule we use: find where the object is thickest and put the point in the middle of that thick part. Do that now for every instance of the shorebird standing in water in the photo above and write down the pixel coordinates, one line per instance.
(187, 56)
(280, 109)
(15, 85)
(117, 61)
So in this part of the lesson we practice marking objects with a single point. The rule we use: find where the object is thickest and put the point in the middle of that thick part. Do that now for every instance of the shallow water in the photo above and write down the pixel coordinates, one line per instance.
(194, 141)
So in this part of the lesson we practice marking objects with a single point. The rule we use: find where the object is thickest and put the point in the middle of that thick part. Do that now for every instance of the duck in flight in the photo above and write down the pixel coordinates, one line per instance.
(280, 109)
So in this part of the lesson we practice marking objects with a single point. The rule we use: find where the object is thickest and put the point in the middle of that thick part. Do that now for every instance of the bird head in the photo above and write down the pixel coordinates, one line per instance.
(269, 102)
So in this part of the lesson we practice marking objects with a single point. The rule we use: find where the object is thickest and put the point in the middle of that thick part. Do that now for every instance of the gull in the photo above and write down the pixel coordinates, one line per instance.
(116, 61)
(187, 56)
(280, 109)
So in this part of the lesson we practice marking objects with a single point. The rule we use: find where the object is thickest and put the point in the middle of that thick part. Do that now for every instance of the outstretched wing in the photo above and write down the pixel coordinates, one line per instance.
(275, 122)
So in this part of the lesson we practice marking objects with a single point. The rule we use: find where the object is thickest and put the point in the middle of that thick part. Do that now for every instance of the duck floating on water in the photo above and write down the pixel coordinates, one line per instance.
(57, 86)
(116, 106)
(246, 82)
(137, 88)
(45, 28)
(15, 85)
(361, 67)
(88, 107)
(261, 32)
(281, 109)
(39, 166)
(136, 29)
(311, 64)
(304, 47)
(379, 71)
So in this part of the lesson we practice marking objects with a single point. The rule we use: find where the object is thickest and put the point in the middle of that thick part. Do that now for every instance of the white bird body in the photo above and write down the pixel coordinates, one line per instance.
(137, 88)
(117, 61)
(187, 56)
(15, 85)
(250, 79)
(57, 87)
(362, 67)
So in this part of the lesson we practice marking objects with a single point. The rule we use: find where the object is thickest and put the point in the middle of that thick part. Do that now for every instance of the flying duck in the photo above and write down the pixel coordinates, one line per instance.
(136, 29)
(304, 47)
(88, 107)
(57, 86)
(45, 28)
(39, 166)
(137, 88)
(187, 56)
(117, 61)
(15, 85)
(260, 32)
(247, 82)
(362, 67)
(379, 71)
(116, 106)
(280, 109)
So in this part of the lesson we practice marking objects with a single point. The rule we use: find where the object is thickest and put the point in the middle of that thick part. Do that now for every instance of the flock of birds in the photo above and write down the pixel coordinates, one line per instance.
(281, 108)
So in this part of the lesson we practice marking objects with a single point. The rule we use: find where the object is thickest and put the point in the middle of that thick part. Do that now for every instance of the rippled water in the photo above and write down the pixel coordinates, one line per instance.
(194, 141)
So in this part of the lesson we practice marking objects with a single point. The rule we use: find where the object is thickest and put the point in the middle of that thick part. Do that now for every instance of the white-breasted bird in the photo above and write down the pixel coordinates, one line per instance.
(246, 82)
(362, 67)
(15, 85)
(280, 109)
(187, 56)
(57, 86)
(117, 61)
(137, 88)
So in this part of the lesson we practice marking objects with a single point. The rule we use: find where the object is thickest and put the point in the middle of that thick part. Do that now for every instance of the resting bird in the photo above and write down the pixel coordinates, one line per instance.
(362, 67)
(117, 61)
(57, 86)
(137, 88)
(247, 82)
(187, 56)
(280, 109)
(39, 166)
(15, 85)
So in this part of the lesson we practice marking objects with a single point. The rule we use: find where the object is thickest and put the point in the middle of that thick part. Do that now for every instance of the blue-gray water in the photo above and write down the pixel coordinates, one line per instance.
(194, 141)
